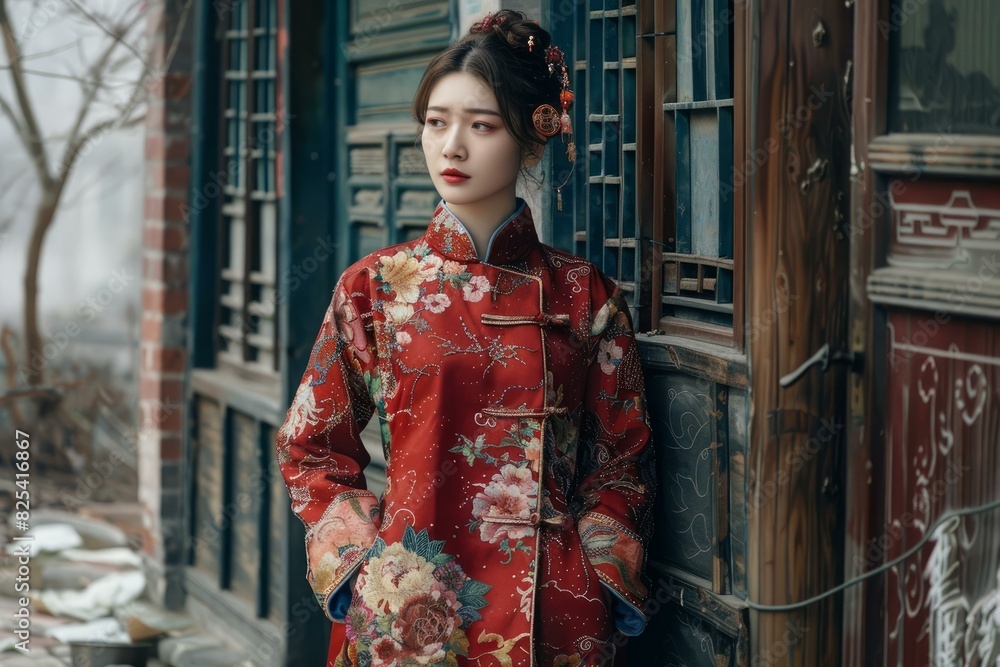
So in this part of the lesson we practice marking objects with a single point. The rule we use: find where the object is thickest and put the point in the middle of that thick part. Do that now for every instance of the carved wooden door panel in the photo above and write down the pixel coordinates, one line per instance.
(927, 288)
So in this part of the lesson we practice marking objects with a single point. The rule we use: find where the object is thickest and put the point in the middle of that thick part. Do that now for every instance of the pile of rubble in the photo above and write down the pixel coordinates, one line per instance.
(88, 597)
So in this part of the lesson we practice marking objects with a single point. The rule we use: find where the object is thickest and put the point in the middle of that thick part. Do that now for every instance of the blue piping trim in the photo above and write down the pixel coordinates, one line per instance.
(489, 246)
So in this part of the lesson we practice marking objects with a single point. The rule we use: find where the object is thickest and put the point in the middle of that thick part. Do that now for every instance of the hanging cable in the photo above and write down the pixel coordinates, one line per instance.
(946, 516)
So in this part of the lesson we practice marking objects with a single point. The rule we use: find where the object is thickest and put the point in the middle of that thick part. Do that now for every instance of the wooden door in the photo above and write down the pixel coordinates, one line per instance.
(927, 291)
(799, 304)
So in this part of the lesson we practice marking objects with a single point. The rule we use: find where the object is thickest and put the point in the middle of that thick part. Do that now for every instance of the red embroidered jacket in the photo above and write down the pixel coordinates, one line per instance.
(519, 476)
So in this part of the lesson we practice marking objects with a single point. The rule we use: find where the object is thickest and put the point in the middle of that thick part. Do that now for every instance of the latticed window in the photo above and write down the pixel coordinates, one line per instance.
(658, 198)
(248, 230)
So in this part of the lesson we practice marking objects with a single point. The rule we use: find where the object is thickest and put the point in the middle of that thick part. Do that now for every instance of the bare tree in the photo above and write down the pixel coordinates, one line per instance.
(101, 87)
(114, 81)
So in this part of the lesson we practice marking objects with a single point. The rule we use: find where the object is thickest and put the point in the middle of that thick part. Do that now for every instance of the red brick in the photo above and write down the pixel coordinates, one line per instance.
(168, 269)
(177, 86)
(177, 147)
(169, 392)
(179, 177)
(151, 329)
(154, 147)
(168, 237)
(171, 449)
(163, 420)
(160, 146)
(163, 300)
(164, 359)
(174, 177)
(154, 115)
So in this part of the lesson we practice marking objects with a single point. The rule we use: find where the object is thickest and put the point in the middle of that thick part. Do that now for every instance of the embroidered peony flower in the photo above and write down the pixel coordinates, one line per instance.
(511, 493)
(397, 312)
(404, 274)
(476, 288)
(394, 577)
(430, 266)
(450, 575)
(567, 660)
(403, 338)
(385, 652)
(425, 623)
(453, 268)
(436, 303)
(609, 356)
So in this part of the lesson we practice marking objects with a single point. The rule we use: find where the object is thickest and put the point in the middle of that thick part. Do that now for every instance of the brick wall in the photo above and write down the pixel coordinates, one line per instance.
(165, 291)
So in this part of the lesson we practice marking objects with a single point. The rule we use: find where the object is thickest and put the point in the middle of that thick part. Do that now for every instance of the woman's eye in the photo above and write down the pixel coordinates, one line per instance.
(433, 122)
(483, 126)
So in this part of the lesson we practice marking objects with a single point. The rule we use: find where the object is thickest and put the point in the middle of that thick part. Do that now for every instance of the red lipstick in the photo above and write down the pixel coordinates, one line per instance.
(452, 175)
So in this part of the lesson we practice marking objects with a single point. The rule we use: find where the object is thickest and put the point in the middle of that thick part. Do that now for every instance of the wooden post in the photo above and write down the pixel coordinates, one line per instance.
(798, 286)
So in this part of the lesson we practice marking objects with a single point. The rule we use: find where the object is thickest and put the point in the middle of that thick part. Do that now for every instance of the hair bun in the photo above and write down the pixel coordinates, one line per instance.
(514, 28)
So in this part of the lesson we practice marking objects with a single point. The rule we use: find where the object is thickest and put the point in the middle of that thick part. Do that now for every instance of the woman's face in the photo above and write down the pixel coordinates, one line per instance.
(464, 131)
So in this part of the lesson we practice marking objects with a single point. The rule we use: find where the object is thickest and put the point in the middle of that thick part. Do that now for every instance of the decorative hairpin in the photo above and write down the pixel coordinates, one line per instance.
(489, 21)
(549, 122)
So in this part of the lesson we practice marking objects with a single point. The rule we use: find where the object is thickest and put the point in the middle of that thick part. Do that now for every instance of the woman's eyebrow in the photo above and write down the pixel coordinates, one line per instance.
(489, 112)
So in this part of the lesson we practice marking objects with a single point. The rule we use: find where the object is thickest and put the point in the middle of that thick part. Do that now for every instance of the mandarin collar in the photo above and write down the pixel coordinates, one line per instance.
(511, 241)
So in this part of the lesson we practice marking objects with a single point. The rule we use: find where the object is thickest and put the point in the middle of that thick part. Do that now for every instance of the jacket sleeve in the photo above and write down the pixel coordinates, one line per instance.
(617, 464)
(320, 453)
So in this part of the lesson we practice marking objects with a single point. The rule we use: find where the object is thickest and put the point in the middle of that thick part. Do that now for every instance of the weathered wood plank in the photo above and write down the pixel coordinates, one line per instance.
(798, 275)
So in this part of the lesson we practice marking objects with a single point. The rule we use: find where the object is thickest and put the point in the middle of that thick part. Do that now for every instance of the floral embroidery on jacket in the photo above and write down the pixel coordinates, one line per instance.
(509, 393)
(412, 604)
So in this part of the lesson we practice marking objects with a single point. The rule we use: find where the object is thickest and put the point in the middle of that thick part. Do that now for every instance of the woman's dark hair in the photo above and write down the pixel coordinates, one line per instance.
(498, 55)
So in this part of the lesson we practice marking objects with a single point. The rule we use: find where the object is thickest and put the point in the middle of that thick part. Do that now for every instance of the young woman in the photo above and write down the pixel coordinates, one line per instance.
(513, 526)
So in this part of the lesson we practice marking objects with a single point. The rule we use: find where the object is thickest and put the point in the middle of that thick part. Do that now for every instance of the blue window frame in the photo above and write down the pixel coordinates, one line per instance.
(653, 206)
(246, 322)
(698, 262)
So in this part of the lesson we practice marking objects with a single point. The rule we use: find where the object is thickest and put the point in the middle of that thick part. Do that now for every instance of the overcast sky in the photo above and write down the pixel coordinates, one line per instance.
(98, 229)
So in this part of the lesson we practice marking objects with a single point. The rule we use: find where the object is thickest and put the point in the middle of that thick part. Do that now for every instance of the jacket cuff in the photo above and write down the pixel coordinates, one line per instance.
(339, 541)
(339, 599)
(629, 620)
(617, 554)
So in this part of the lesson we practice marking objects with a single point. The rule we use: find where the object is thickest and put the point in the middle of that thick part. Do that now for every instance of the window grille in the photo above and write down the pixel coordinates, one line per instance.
(248, 230)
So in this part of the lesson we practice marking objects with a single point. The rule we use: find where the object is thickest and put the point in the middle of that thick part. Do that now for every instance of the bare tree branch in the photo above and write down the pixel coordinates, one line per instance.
(73, 151)
(50, 52)
(33, 138)
(117, 34)
(76, 141)
(72, 77)
(15, 121)
(6, 340)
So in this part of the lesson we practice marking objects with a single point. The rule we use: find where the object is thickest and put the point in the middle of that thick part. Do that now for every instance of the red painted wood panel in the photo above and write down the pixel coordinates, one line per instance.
(943, 430)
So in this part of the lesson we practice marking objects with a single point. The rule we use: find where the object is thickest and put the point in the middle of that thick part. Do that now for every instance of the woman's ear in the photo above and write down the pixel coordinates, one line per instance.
(534, 155)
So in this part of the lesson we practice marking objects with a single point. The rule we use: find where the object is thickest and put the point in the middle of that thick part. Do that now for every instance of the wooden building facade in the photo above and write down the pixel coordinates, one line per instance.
(802, 202)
